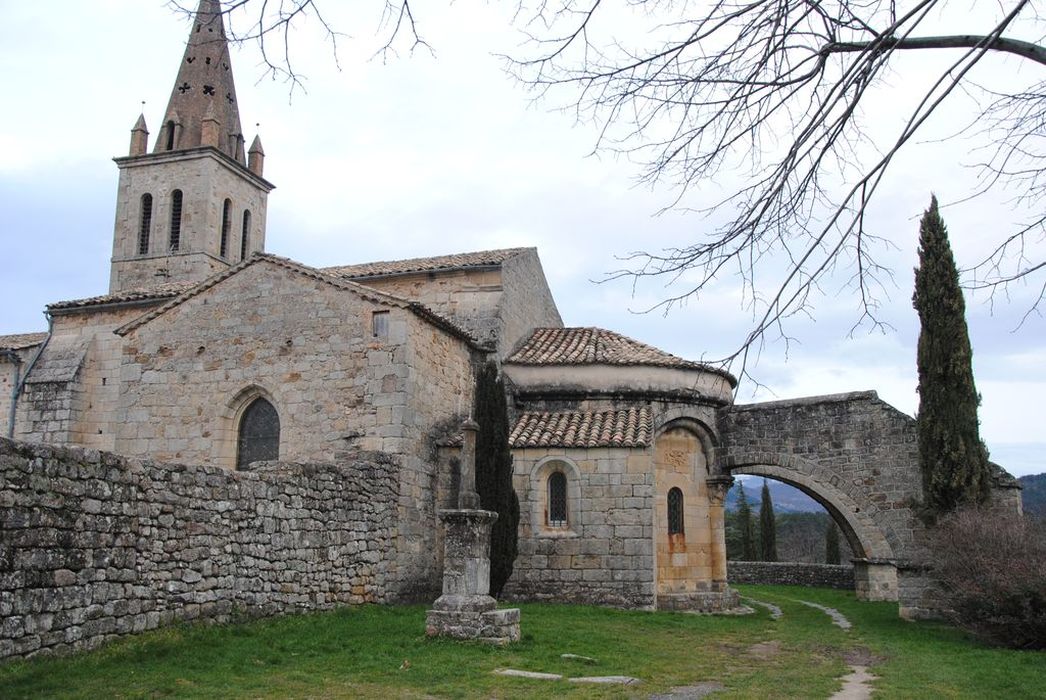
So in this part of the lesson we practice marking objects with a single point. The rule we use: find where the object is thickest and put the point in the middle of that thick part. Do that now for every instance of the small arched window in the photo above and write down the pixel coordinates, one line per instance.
(176, 220)
(259, 434)
(145, 223)
(675, 511)
(245, 236)
(557, 499)
(170, 135)
(223, 248)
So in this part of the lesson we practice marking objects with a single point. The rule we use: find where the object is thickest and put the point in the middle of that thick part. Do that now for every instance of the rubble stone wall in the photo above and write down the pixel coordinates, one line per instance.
(93, 545)
(791, 573)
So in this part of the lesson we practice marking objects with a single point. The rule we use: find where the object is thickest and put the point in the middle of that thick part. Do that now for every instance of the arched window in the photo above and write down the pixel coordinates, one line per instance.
(176, 220)
(170, 135)
(557, 499)
(223, 247)
(259, 434)
(145, 223)
(245, 236)
(675, 511)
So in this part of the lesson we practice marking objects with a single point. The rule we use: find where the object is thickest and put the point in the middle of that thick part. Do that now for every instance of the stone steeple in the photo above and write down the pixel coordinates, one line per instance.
(204, 91)
(194, 206)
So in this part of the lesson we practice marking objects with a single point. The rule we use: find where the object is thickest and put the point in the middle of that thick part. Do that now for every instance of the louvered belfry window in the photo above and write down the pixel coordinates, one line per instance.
(675, 512)
(259, 436)
(557, 499)
(223, 248)
(176, 221)
(145, 224)
(245, 235)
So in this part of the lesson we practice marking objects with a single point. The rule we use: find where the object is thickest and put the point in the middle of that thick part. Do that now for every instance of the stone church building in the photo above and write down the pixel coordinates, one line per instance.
(207, 350)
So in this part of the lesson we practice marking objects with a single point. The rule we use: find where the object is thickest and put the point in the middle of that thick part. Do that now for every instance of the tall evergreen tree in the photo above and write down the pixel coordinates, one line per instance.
(767, 526)
(831, 544)
(494, 474)
(744, 518)
(953, 459)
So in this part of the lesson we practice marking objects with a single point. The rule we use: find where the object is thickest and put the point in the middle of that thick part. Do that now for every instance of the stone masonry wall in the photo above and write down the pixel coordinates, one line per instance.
(93, 545)
(791, 574)
(304, 344)
(605, 553)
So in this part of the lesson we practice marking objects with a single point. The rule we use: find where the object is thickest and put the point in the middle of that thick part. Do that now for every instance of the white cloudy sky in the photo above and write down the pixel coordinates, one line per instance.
(427, 155)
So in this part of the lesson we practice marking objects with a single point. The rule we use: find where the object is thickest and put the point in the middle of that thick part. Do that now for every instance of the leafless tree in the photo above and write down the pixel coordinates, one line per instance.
(271, 24)
(776, 87)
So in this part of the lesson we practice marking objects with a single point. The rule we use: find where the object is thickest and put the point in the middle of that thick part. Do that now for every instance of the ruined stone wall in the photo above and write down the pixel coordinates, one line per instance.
(791, 574)
(93, 545)
(604, 555)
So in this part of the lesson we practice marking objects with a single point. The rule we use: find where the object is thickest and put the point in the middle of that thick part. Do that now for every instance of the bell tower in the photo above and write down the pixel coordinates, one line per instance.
(196, 204)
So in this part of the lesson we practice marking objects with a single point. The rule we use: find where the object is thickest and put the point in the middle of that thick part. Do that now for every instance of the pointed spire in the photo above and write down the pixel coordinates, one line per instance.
(256, 159)
(205, 88)
(139, 137)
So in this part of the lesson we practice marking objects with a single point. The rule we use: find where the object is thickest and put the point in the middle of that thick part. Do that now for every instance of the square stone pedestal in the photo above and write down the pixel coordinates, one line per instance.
(466, 610)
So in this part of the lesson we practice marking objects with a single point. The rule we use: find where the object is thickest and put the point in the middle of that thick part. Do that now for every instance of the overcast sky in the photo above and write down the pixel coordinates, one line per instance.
(427, 155)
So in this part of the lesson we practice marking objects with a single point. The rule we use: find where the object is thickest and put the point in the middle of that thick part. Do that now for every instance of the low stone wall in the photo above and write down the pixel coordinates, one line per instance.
(791, 573)
(93, 545)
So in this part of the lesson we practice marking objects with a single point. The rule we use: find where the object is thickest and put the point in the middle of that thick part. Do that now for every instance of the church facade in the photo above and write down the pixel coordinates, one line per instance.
(207, 350)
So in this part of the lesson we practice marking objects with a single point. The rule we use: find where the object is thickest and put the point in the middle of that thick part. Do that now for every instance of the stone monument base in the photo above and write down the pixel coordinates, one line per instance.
(472, 619)
(466, 610)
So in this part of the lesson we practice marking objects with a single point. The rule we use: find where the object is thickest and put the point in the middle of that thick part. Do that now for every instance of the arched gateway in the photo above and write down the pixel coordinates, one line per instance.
(857, 456)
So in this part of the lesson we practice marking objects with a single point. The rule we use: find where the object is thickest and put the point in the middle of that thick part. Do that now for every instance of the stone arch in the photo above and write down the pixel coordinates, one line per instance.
(867, 538)
(680, 417)
(224, 448)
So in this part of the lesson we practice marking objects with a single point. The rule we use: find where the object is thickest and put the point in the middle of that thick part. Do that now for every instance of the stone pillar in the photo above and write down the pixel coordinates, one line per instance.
(466, 610)
(875, 579)
(718, 487)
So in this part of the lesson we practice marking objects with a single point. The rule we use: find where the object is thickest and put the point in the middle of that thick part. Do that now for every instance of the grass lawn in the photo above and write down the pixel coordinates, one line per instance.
(360, 652)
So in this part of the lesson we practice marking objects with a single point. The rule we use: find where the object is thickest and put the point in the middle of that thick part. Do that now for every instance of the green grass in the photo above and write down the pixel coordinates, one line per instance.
(358, 652)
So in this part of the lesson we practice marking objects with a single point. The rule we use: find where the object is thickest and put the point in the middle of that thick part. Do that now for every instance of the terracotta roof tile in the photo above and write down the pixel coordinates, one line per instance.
(482, 258)
(617, 428)
(161, 291)
(21, 341)
(586, 346)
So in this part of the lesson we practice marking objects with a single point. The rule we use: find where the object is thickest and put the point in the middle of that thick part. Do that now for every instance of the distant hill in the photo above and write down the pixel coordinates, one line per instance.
(786, 499)
(1034, 494)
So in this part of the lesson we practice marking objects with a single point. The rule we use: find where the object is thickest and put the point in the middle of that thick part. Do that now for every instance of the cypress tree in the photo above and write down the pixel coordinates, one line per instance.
(831, 544)
(767, 526)
(953, 460)
(744, 517)
(494, 474)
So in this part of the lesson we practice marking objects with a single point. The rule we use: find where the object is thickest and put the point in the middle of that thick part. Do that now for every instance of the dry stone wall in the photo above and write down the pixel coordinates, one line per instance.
(791, 574)
(93, 545)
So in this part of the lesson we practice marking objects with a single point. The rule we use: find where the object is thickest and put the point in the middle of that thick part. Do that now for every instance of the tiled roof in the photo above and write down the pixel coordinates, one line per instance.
(618, 428)
(21, 341)
(160, 291)
(482, 258)
(587, 346)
